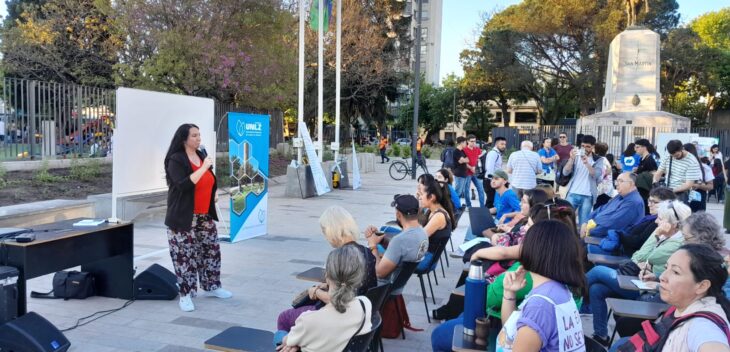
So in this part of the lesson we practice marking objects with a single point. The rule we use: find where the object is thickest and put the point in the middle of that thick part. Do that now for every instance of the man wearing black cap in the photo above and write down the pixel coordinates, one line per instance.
(408, 246)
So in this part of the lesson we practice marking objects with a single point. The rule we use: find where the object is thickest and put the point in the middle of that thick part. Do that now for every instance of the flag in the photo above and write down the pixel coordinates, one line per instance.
(314, 15)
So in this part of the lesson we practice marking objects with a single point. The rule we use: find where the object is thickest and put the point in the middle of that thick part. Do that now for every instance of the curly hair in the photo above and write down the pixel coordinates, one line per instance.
(703, 228)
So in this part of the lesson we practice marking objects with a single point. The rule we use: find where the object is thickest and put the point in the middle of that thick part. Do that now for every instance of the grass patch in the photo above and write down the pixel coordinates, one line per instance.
(43, 176)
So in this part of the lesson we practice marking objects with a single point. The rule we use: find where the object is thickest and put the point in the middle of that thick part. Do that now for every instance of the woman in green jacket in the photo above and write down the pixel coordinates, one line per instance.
(651, 257)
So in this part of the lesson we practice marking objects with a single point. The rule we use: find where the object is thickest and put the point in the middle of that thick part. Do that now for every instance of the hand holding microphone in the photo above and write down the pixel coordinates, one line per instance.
(208, 160)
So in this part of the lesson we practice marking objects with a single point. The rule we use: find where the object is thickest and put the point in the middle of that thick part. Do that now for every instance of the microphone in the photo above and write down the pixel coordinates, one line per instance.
(203, 151)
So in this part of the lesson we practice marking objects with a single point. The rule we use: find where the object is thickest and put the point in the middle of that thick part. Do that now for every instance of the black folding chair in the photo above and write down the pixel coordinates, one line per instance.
(361, 343)
(440, 247)
(404, 272)
(377, 296)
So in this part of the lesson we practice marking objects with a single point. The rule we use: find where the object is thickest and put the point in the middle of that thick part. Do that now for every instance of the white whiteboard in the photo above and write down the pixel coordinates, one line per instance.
(145, 124)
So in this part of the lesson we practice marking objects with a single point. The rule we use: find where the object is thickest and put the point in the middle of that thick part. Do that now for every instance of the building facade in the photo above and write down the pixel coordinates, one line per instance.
(525, 115)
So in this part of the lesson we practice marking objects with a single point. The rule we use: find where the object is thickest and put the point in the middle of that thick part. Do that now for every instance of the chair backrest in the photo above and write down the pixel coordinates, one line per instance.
(480, 219)
(377, 295)
(360, 343)
(593, 345)
(438, 251)
(404, 272)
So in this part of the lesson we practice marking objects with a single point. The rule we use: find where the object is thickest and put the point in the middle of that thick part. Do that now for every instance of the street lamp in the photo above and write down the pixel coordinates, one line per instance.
(417, 89)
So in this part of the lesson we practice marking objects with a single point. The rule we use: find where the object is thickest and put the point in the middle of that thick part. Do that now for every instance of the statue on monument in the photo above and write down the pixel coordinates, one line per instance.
(632, 10)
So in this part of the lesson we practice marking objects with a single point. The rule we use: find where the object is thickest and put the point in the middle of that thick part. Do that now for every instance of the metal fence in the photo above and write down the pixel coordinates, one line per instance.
(53, 120)
(617, 137)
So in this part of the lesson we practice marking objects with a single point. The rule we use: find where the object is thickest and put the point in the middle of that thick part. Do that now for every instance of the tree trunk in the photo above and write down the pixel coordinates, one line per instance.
(276, 127)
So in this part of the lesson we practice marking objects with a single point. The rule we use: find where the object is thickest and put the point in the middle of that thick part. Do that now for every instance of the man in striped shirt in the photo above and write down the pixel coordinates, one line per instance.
(683, 172)
(523, 167)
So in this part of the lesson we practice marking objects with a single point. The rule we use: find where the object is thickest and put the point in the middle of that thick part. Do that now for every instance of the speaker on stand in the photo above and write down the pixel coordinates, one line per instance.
(32, 333)
(155, 283)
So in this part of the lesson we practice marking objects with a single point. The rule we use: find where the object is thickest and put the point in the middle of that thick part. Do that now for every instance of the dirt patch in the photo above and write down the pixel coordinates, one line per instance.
(26, 187)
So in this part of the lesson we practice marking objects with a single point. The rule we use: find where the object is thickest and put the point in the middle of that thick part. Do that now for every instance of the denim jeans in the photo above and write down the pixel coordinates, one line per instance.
(602, 284)
(480, 190)
(442, 335)
(461, 184)
(583, 206)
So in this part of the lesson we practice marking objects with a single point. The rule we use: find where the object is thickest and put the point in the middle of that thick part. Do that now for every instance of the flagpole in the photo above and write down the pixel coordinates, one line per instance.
(300, 102)
(338, 72)
(320, 80)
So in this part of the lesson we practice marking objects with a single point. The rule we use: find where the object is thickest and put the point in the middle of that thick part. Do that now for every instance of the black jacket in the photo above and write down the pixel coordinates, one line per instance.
(181, 193)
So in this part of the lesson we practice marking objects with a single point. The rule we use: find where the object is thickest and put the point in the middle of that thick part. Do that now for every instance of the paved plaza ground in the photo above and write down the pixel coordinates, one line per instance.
(260, 273)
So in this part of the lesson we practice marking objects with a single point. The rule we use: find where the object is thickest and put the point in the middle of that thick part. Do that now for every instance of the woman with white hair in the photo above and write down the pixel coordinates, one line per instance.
(649, 261)
(339, 229)
(345, 316)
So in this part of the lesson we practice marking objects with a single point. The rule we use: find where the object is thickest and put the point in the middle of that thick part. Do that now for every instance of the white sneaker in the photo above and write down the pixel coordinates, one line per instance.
(186, 303)
(219, 293)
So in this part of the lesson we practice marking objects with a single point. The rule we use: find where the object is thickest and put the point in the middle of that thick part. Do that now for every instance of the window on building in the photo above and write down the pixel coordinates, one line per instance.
(424, 15)
(525, 117)
(497, 117)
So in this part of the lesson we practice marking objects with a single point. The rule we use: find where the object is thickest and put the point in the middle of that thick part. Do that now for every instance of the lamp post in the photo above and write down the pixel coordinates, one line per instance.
(417, 89)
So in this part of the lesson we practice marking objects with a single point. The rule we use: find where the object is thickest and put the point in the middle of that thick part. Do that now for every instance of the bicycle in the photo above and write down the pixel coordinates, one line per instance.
(399, 169)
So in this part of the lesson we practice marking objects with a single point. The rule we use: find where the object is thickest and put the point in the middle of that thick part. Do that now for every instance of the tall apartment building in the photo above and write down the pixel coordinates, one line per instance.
(431, 16)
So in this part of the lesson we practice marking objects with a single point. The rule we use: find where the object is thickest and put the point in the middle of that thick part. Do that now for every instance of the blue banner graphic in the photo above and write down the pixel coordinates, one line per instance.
(248, 154)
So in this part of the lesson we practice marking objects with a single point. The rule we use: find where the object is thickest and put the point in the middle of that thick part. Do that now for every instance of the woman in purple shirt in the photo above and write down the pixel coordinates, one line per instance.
(548, 318)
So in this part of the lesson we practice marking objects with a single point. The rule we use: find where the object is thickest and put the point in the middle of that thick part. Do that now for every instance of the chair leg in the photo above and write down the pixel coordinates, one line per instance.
(380, 342)
(452, 244)
(433, 297)
(442, 267)
(436, 278)
(425, 302)
(446, 256)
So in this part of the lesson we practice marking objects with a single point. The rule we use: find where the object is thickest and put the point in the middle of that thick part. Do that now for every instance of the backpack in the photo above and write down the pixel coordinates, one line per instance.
(652, 337)
(395, 317)
(447, 158)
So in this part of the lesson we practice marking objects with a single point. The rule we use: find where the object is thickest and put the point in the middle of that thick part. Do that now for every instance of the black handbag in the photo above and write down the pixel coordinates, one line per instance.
(629, 268)
(70, 285)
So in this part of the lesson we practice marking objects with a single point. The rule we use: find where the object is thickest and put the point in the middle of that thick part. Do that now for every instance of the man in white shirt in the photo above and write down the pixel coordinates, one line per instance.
(523, 167)
(493, 163)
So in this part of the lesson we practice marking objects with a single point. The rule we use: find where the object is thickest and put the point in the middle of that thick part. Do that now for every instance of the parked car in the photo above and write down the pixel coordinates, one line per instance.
(403, 141)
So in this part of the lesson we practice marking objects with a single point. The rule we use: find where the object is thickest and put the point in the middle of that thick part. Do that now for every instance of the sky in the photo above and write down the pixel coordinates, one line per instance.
(462, 19)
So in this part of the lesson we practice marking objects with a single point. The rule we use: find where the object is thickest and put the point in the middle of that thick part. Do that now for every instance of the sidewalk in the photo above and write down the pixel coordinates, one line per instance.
(260, 273)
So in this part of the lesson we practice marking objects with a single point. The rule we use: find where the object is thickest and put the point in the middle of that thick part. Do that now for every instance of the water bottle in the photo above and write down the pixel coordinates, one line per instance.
(475, 300)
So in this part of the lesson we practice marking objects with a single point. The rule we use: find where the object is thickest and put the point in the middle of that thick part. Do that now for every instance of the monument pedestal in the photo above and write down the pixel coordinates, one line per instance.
(300, 182)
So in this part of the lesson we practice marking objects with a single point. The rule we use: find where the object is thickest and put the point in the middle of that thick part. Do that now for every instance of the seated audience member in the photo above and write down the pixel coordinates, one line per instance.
(445, 175)
(622, 211)
(650, 260)
(691, 284)
(551, 256)
(505, 200)
(440, 222)
(552, 197)
(344, 316)
(339, 229)
(408, 246)
(497, 259)
(628, 241)
(530, 198)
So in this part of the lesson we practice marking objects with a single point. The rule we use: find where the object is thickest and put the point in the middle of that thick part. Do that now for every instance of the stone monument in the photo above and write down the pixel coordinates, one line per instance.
(631, 106)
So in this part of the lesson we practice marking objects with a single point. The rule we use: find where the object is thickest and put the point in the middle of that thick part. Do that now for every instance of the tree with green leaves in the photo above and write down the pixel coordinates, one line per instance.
(66, 41)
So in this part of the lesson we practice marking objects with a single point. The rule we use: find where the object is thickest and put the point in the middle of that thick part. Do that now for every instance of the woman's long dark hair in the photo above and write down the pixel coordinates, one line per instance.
(535, 196)
(629, 152)
(552, 250)
(689, 147)
(706, 264)
(177, 144)
(440, 190)
(552, 211)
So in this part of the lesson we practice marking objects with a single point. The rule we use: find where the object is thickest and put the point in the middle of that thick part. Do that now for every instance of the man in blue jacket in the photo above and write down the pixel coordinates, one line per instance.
(622, 211)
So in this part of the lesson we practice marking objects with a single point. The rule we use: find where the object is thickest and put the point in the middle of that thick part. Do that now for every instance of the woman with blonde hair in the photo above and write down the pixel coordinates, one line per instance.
(339, 229)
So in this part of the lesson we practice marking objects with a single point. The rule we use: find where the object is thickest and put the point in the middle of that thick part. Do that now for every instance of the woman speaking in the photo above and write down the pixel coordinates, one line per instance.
(191, 232)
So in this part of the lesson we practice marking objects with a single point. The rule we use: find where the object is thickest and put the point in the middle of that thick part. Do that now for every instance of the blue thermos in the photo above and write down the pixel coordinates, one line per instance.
(475, 297)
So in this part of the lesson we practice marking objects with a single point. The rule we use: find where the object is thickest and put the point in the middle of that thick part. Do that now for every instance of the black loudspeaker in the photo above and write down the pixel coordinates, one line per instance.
(32, 333)
(155, 283)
